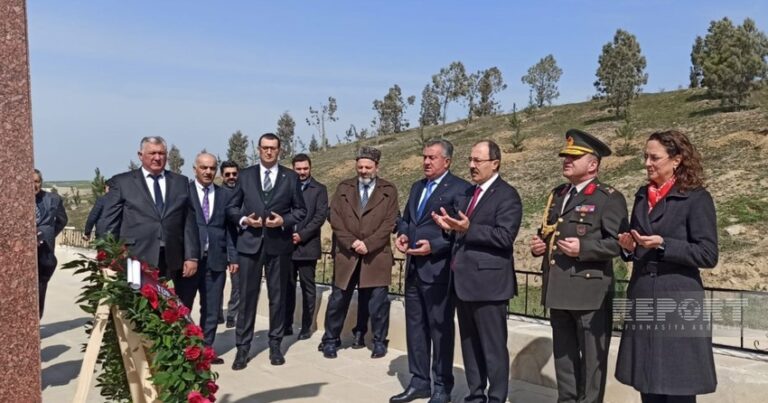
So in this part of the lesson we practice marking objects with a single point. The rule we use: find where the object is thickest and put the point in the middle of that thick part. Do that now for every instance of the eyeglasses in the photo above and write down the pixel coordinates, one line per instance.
(230, 174)
(653, 158)
(478, 160)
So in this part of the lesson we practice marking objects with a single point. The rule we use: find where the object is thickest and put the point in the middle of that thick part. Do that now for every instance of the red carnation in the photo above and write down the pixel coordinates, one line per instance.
(209, 353)
(183, 311)
(196, 397)
(170, 316)
(191, 353)
(193, 330)
(101, 256)
(211, 397)
(150, 293)
(172, 304)
(212, 387)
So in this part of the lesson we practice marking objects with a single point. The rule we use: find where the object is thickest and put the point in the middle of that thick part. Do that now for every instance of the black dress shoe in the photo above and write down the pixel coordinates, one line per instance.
(276, 356)
(358, 341)
(241, 360)
(410, 393)
(230, 323)
(329, 350)
(304, 335)
(322, 343)
(288, 331)
(379, 350)
(217, 361)
(440, 397)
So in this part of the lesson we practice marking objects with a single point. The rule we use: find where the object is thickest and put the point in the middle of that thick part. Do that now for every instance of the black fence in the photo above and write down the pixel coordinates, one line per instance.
(741, 324)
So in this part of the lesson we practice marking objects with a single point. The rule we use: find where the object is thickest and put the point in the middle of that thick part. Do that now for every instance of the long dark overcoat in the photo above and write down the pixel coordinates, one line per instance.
(662, 352)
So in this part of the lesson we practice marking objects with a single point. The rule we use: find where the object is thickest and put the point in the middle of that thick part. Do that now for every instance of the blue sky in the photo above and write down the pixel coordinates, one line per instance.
(106, 73)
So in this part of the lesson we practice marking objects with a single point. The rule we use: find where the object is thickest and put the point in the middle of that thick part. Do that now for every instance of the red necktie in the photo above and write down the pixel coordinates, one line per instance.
(471, 207)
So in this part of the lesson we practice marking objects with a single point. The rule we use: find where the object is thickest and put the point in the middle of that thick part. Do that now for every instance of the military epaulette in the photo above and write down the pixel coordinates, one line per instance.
(605, 188)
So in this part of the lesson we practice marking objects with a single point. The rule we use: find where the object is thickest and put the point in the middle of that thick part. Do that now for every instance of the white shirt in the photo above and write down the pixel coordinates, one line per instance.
(579, 188)
(151, 183)
(370, 188)
(484, 186)
(272, 174)
(435, 184)
(201, 195)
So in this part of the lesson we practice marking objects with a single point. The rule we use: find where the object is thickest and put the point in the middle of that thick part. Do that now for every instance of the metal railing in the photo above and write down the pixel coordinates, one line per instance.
(746, 332)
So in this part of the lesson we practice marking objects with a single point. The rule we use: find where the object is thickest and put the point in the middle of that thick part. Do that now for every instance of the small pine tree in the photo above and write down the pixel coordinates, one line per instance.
(238, 149)
(175, 160)
(516, 125)
(313, 145)
(98, 185)
(132, 165)
(626, 132)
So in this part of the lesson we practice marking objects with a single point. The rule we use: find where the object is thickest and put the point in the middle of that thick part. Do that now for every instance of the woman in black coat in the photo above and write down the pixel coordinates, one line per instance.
(666, 344)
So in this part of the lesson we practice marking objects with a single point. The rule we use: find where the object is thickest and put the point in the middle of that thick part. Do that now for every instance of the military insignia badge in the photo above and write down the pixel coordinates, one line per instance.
(581, 230)
(585, 208)
(590, 189)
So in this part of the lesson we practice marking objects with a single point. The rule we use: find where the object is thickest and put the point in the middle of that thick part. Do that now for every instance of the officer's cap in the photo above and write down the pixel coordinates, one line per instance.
(578, 143)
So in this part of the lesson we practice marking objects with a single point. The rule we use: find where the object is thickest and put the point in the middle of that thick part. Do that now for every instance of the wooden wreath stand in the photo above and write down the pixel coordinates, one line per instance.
(133, 349)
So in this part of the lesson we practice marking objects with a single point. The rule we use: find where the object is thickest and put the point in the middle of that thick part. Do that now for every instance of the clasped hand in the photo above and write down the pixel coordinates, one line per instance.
(630, 240)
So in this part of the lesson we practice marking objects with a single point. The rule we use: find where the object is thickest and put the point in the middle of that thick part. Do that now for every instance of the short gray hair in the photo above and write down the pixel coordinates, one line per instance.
(153, 140)
(201, 153)
(445, 144)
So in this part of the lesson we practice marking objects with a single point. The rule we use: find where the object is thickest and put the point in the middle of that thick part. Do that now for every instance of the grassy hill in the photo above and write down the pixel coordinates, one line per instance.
(734, 146)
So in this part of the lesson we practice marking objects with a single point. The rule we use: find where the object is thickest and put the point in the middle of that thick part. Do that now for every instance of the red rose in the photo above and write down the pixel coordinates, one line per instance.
(212, 387)
(154, 274)
(211, 397)
(196, 397)
(203, 366)
(172, 304)
(183, 311)
(101, 256)
(193, 330)
(192, 353)
(170, 316)
(209, 353)
(150, 293)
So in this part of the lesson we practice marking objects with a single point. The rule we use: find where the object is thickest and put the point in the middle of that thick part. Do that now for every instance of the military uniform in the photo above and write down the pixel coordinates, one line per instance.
(578, 290)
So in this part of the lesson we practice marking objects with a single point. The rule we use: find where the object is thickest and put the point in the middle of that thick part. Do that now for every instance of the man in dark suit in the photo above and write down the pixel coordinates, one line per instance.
(216, 243)
(50, 219)
(428, 308)
(483, 272)
(580, 240)
(94, 216)
(150, 209)
(229, 171)
(307, 247)
(266, 204)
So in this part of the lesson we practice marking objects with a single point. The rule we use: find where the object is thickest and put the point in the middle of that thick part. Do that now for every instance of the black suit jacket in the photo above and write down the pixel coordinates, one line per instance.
(130, 214)
(316, 199)
(94, 216)
(218, 230)
(434, 268)
(285, 200)
(484, 267)
(51, 218)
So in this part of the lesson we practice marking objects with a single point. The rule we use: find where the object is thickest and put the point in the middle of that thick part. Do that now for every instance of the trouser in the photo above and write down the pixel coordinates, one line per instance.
(580, 341)
(234, 296)
(483, 333)
(276, 268)
(45, 268)
(211, 301)
(429, 333)
(338, 305)
(305, 271)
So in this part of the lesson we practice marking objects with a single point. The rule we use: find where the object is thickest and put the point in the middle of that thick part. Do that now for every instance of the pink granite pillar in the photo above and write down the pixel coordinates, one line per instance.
(19, 325)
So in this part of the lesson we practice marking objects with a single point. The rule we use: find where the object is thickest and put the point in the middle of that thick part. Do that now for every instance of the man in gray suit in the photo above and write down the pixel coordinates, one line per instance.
(306, 240)
(150, 209)
(50, 218)
(579, 239)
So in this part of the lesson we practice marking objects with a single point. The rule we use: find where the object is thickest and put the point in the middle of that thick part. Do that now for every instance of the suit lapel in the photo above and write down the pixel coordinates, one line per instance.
(195, 199)
(440, 188)
(414, 205)
(376, 197)
(642, 216)
(484, 197)
(141, 183)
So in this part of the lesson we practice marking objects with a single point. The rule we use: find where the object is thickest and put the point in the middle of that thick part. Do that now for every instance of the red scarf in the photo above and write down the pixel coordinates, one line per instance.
(655, 194)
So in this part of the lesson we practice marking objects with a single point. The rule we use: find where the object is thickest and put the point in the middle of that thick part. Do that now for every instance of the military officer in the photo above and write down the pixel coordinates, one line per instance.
(579, 239)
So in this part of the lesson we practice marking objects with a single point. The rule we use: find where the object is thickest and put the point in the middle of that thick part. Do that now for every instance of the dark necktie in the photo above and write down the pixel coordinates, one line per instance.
(423, 204)
(267, 181)
(206, 204)
(364, 199)
(571, 196)
(471, 208)
(159, 205)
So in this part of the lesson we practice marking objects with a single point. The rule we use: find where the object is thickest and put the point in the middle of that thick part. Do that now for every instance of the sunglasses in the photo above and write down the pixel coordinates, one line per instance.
(230, 174)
